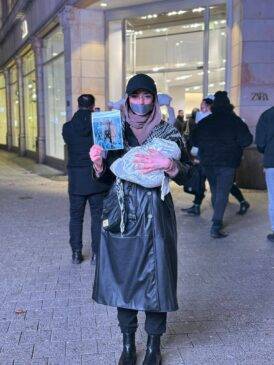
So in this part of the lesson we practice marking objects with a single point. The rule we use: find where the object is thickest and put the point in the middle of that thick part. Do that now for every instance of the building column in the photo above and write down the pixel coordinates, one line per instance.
(37, 44)
(22, 129)
(252, 76)
(84, 45)
(8, 109)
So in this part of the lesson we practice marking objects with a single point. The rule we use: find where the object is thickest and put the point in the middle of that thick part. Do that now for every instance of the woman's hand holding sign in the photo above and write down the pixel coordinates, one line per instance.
(96, 156)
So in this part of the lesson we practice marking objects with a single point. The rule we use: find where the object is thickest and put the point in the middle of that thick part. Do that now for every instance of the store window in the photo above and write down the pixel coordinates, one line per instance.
(30, 101)
(10, 4)
(1, 14)
(217, 48)
(3, 111)
(15, 125)
(171, 48)
(54, 90)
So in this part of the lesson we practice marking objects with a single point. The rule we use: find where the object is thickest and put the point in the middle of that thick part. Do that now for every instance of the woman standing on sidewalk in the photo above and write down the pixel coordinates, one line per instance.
(138, 270)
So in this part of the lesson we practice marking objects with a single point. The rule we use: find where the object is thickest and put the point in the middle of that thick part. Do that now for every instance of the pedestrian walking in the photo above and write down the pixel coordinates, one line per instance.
(195, 209)
(180, 121)
(221, 138)
(265, 144)
(205, 108)
(77, 135)
(137, 270)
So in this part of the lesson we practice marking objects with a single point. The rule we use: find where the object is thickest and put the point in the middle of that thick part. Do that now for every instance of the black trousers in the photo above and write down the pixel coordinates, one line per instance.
(220, 180)
(155, 323)
(77, 211)
(235, 191)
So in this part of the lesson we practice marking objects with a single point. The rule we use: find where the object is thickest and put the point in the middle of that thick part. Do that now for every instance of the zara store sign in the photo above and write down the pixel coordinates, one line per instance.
(259, 96)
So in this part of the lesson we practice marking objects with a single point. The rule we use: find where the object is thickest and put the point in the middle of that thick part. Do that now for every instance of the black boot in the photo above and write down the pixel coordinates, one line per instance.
(194, 210)
(216, 231)
(244, 205)
(153, 353)
(128, 356)
(270, 237)
(77, 257)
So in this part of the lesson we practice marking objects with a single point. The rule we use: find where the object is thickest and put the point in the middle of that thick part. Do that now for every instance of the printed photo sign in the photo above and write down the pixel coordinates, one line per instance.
(107, 130)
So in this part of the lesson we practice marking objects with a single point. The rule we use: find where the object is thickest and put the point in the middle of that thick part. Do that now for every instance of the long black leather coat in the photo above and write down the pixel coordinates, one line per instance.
(139, 269)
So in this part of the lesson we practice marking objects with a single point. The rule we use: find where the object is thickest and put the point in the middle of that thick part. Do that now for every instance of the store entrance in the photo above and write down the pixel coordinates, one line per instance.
(184, 51)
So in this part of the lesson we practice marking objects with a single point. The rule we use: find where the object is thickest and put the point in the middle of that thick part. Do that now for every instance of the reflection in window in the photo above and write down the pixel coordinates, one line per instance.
(169, 47)
(54, 89)
(217, 48)
(10, 4)
(3, 115)
(30, 101)
(15, 126)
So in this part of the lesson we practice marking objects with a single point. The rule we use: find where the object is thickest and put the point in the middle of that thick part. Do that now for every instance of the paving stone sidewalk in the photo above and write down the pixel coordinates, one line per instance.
(47, 316)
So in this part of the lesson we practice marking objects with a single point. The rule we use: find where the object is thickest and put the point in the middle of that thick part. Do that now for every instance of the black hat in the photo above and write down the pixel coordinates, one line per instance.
(220, 97)
(141, 81)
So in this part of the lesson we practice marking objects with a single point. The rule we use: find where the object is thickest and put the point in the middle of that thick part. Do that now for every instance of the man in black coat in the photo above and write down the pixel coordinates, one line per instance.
(221, 138)
(265, 145)
(180, 121)
(77, 135)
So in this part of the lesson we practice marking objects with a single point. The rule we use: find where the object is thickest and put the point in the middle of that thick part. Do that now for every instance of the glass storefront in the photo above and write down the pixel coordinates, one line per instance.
(217, 48)
(176, 48)
(30, 104)
(3, 111)
(15, 123)
(54, 91)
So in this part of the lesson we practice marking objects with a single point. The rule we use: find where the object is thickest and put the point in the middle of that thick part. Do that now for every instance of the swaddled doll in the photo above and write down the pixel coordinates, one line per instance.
(125, 168)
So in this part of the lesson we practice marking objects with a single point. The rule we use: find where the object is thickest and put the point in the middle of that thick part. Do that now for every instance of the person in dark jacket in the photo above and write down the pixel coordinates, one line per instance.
(195, 209)
(77, 135)
(265, 144)
(221, 138)
(180, 121)
(137, 270)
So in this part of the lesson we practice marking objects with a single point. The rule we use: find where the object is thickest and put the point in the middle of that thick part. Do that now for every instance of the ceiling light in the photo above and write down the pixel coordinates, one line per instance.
(149, 16)
(180, 12)
(157, 68)
(187, 89)
(198, 10)
(196, 87)
(158, 30)
(184, 77)
(172, 13)
(104, 5)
